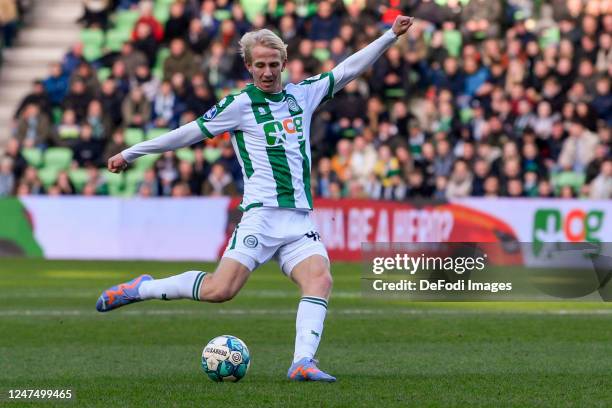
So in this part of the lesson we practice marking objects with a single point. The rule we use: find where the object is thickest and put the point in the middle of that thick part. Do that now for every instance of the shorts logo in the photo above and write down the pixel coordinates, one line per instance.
(250, 241)
(211, 113)
(314, 235)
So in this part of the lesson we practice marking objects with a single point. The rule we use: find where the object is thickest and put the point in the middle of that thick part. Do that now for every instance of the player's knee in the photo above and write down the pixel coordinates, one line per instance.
(320, 281)
(221, 294)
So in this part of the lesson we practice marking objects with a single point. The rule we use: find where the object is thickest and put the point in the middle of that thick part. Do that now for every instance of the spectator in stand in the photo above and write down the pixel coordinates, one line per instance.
(136, 109)
(578, 149)
(30, 183)
(150, 184)
(95, 13)
(196, 38)
(38, 97)
(601, 186)
(144, 47)
(8, 21)
(146, 17)
(77, 99)
(114, 146)
(164, 104)
(68, 130)
(178, 23)
(460, 181)
(111, 100)
(7, 177)
(325, 177)
(56, 83)
(63, 185)
(87, 151)
(219, 182)
(325, 25)
(33, 128)
(180, 60)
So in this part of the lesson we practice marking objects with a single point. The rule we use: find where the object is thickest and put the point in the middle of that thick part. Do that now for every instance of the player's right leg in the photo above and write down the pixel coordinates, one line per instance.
(220, 286)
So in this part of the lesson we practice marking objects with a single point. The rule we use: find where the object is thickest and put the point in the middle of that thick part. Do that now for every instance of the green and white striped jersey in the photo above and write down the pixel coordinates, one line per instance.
(271, 136)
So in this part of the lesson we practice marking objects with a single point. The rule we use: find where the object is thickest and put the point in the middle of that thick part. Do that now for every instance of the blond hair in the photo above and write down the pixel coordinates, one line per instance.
(263, 37)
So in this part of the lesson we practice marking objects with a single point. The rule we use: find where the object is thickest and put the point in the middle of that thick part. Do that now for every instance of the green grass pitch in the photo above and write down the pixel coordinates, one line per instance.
(384, 353)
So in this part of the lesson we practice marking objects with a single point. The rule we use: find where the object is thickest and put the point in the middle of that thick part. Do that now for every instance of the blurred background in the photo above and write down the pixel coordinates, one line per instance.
(480, 98)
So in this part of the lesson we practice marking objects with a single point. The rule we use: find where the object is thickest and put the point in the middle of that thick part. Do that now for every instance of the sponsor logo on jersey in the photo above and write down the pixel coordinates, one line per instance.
(211, 113)
(276, 131)
(250, 241)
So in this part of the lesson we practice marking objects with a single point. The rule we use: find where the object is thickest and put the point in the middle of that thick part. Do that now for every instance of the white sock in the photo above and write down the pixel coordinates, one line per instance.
(183, 286)
(309, 326)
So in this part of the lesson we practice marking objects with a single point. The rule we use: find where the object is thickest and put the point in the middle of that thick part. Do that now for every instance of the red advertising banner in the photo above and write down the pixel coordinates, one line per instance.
(345, 224)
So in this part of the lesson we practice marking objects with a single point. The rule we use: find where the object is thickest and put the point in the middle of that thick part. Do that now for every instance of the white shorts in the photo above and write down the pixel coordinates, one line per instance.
(288, 236)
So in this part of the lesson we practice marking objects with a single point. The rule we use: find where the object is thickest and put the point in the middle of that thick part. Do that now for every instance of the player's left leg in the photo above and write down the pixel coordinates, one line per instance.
(313, 277)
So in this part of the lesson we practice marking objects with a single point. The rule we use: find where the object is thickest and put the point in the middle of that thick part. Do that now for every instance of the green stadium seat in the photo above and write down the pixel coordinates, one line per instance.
(58, 158)
(115, 182)
(222, 14)
(146, 162)
(115, 38)
(33, 156)
(92, 52)
(452, 41)
(79, 177)
(48, 176)
(132, 179)
(133, 136)
(92, 36)
(103, 73)
(253, 7)
(56, 115)
(186, 154)
(568, 178)
(322, 54)
(126, 19)
(211, 154)
(156, 132)
(161, 13)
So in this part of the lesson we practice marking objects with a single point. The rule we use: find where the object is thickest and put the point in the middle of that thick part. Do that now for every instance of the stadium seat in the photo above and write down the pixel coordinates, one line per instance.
(58, 158)
(186, 154)
(132, 179)
(48, 176)
(133, 136)
(92, 52)
(568, 178)
(156, 132)
(222, 14)
(126, 19)
(114, 181)
(253, 7)
(103, 73)
(211, 154)
(146, 162)
(158, 69)
(452, 42)
(161, 13)
(115, 38)
(33, 156)
(91, 36)
(78, 177)
(322, 54)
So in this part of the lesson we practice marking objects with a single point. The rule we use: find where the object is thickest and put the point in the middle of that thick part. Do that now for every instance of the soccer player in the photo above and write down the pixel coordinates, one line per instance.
(270, 128)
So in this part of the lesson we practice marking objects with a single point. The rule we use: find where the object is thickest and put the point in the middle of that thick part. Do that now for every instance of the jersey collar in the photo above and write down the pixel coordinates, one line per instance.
(274, 97)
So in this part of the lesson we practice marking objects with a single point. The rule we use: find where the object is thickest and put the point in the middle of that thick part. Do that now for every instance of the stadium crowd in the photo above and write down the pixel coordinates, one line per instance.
(484, 98)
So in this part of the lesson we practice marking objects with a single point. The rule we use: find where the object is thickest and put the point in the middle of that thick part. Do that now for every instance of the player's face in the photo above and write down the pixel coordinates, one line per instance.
(266, 68)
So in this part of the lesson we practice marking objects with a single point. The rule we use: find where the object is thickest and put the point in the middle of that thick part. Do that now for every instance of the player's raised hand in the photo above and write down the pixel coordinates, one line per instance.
(402, 24)
(117, 163)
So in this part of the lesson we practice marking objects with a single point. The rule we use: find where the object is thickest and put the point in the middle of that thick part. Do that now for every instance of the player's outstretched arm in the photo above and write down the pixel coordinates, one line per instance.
(185, 135)
(354, 65)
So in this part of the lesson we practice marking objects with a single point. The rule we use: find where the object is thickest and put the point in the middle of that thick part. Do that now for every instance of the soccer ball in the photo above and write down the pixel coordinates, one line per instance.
(225, 358)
